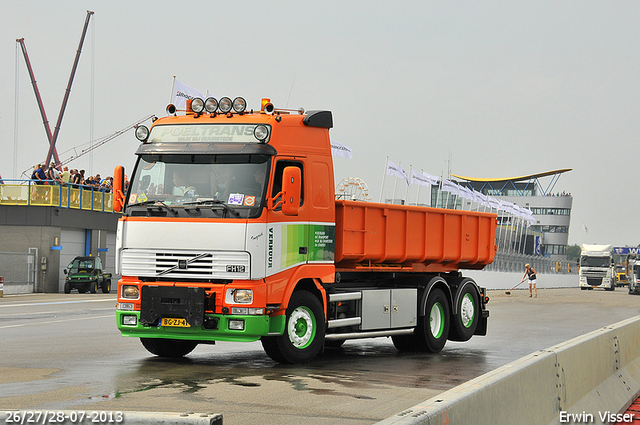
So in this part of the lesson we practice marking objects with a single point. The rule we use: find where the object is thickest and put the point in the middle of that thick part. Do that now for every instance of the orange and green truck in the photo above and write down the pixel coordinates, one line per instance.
(230, 231)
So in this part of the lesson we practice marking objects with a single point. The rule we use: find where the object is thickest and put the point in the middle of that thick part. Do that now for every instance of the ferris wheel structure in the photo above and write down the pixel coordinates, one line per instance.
(352, 189)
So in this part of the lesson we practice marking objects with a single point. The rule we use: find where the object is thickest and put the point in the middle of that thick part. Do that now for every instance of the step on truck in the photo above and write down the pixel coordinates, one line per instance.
(231, 232)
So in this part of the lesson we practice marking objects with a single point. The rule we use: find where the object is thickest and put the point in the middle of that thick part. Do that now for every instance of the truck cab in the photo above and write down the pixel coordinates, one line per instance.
(597, 267)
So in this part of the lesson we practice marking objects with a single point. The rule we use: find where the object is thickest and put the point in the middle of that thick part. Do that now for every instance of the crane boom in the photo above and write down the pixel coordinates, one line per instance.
(45, 120)
(52, 145)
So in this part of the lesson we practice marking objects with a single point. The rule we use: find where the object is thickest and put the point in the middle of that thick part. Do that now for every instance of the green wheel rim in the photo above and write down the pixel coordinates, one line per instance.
(467, 310)
(301, 327)
(436, 320)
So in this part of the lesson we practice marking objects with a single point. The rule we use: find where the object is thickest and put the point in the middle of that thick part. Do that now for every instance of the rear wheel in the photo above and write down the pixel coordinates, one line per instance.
(303, 334)
(168, 347)
(106, 286)
(464, 323)
(433, 329)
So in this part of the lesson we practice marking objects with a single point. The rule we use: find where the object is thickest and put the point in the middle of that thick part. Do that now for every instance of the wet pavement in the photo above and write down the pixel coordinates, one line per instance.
(58, 353)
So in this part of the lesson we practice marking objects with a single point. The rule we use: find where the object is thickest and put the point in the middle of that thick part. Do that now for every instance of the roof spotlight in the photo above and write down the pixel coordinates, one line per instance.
(211, 104)
(261, 132)
(239, 104)
(225, 105)
(142, 133)
(197, 105)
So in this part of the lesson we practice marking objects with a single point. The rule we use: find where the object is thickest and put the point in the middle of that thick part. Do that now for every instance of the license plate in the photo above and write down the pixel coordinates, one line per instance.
(180, 323)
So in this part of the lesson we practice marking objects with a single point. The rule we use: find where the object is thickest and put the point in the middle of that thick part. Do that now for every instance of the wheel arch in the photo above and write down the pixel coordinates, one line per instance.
(436, 282)
(459, 287)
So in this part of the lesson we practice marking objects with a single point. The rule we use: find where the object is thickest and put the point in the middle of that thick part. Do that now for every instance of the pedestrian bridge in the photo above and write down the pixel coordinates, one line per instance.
(28, 193)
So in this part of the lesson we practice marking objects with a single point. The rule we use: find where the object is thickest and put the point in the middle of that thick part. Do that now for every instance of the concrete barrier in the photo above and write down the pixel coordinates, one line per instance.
(589, 379)
(97, 417)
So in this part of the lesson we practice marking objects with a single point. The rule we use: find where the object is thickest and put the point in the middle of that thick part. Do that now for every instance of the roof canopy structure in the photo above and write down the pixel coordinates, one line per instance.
(500, 184)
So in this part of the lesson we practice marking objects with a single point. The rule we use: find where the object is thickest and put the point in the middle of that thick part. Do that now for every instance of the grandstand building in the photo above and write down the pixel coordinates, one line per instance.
(551, 210)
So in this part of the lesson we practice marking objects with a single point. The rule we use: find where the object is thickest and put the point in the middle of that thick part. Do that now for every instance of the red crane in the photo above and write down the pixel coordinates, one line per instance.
(54, 137)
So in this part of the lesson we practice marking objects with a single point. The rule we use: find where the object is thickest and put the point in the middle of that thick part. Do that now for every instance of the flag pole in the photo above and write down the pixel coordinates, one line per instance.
(173, 85)
(386, 165)
(418, 194)
(406, 192)
(395, 184)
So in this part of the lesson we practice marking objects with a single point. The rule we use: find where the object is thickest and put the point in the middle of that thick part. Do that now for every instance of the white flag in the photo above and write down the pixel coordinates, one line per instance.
(397, 171)
(341, 150)
(451, 187)
(182, 92)
(423, 179)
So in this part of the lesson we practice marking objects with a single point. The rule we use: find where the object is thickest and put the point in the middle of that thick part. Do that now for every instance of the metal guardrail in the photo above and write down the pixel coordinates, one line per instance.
(513, 262)
(53, 194)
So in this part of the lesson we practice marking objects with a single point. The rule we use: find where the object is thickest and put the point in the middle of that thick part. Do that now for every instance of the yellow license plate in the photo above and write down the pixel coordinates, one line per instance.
(180, 323)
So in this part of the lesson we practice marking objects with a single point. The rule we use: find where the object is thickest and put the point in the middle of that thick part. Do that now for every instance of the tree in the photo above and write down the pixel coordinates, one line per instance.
(573, 252)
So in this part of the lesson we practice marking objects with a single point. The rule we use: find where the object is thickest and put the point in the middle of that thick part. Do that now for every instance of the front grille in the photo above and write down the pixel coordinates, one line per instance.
(594, 281)
(185, 264)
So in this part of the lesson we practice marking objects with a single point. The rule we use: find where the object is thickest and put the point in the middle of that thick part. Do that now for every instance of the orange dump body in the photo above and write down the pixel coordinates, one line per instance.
(371, 236)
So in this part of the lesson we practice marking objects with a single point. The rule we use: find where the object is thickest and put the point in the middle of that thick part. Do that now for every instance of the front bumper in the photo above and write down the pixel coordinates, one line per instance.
(215, 327)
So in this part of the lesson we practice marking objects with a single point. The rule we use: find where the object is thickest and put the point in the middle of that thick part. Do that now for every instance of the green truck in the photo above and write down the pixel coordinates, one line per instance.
(86, 275)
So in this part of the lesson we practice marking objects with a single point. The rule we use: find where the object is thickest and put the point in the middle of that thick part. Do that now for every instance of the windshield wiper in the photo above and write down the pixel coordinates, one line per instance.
(214, 203)
(156, 203)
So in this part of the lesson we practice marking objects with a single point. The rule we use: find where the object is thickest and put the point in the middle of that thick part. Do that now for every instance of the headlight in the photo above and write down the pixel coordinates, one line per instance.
(211, 105)
(130, 292)
(225, 105)
(261, 132)
(197, 105)
(142, 133)
(243, 296)
(239, 104)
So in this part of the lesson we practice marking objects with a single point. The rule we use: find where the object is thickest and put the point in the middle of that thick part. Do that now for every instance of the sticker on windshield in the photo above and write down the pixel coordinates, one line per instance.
(235, 199)
(249, 201)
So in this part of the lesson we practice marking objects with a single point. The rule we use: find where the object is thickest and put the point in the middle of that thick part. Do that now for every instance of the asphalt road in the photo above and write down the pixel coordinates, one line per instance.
(64, 352)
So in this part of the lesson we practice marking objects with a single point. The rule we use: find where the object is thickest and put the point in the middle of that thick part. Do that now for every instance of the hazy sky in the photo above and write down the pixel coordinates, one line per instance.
(499, 88)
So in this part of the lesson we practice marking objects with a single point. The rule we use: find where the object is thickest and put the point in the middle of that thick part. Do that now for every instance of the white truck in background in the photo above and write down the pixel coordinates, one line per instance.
(597, 268)
(633, 275)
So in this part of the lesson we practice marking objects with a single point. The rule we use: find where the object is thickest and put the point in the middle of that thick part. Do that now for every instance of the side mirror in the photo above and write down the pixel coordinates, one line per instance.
(291, 188)
(118, 189)
(64, 271)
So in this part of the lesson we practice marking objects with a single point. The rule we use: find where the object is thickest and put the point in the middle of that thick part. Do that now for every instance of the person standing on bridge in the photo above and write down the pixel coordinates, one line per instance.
(530, 273)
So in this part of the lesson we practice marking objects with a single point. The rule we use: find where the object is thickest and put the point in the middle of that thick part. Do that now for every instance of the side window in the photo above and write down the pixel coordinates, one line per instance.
(277, 177)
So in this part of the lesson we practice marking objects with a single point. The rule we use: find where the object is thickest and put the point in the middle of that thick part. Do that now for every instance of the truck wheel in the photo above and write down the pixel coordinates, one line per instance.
(93, 287)
(433, 328)
(405, 343)
(303, 334)
(464, 323)
(168, 347)
(67, 288)
(106, 286)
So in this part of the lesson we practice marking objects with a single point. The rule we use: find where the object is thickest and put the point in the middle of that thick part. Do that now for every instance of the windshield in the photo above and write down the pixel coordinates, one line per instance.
(595, 261)
(81, 265)
(225, 185)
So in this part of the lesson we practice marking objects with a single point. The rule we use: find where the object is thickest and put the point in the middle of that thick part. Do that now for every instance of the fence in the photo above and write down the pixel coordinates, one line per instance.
(27, 192)
(19, 271)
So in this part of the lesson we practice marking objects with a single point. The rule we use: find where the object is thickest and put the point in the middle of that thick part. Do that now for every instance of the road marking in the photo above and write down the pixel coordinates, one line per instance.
(54, 312)
(57, 321)
(58, 302)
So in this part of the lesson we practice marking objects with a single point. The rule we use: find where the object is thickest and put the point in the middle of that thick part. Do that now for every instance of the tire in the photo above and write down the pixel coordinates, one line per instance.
(464, 324)
(405, 343)
(173, 348)
(106, 286)
(303, 334)
(93, 287)
(433, 328)
(67, 288)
